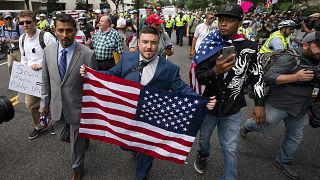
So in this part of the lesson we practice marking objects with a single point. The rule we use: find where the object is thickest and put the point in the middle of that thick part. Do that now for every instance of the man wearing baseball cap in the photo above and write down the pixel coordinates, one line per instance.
(292, 88)
(149, 11)
(10, 34)
(165, 47)
(223, 60)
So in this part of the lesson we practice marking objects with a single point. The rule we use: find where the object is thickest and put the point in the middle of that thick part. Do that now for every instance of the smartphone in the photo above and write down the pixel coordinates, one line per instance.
(226, 51)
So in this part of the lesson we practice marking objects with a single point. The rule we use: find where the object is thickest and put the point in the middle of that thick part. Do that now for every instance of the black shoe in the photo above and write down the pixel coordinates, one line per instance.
(35, 133)
(200, 164)
(180, 45)
(287, 169)
(243, 132)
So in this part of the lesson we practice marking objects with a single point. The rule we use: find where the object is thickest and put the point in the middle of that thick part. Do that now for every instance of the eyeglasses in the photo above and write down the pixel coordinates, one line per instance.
(211, 18)
(8, 18)
(25, 22)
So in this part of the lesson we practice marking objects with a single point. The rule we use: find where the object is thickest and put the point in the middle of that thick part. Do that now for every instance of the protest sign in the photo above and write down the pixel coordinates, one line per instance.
(25, 80)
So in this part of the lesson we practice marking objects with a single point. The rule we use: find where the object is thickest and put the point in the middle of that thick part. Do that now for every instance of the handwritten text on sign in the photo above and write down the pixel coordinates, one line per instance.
(26, 80)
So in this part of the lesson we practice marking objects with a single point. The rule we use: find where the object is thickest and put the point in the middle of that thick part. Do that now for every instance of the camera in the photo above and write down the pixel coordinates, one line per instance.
(6, 109)
(316, 71)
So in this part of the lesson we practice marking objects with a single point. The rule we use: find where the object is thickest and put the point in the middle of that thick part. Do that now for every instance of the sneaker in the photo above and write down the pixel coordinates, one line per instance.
(287, 169)
(200, 164)
(35, 133)
(243, 132)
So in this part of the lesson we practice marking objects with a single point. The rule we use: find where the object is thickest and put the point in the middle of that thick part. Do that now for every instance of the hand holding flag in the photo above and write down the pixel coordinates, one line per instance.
(155, 122)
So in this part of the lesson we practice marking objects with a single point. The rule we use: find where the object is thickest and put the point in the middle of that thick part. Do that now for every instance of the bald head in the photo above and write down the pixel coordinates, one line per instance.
(105, 23)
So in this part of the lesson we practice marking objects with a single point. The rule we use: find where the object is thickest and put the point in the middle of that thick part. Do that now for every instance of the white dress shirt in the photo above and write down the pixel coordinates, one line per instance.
(149, 70)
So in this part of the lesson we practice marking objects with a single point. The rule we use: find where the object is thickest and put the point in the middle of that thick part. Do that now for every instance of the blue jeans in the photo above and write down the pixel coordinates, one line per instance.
(228, 134)
(293, 134)
(144, 164)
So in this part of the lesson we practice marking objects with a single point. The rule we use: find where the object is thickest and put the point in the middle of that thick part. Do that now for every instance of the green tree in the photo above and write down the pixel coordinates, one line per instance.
(165, 2)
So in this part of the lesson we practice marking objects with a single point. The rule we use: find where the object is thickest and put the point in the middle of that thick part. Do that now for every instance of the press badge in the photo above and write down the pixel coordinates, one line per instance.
(315, 92)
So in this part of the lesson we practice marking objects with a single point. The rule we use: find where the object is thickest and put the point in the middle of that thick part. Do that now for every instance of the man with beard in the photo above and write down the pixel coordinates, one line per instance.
(291, 93)
(62, 87)
(223, 76)
(156, 72)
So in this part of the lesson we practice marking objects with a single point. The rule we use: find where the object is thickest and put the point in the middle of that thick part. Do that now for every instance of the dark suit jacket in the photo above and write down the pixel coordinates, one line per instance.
(64, 96)
(166, 76)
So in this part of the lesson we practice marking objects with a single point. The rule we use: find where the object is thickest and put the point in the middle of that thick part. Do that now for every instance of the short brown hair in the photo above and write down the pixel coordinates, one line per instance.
(28, 13)
(149, 30)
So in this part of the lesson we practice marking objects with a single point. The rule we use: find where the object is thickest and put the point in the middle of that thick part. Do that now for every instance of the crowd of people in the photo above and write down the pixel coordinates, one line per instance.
(226, 47)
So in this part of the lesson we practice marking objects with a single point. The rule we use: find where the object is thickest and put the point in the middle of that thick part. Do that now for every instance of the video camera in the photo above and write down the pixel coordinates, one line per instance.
(6, 109)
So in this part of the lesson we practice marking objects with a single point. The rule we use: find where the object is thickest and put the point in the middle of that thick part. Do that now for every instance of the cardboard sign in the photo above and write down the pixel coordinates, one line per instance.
(25, 80)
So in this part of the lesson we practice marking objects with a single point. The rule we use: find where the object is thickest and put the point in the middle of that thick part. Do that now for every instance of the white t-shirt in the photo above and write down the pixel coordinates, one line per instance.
(32, 52)
(202, 30)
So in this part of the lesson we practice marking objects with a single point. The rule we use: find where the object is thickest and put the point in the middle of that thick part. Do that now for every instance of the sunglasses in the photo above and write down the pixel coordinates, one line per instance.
(8, 18)
(25, 22)
(211, 18)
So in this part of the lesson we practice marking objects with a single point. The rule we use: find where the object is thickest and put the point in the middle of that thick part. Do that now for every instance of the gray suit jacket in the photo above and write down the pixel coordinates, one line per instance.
(64, 96)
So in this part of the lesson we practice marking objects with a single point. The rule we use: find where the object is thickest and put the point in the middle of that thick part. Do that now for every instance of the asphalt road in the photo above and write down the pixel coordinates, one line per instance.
(48, 158)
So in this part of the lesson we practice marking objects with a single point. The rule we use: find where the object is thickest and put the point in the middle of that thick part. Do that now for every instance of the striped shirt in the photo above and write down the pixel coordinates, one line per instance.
(104, 43)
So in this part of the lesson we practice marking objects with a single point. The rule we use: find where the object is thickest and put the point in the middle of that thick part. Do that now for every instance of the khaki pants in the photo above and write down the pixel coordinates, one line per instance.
(33, 105)
(13, 56)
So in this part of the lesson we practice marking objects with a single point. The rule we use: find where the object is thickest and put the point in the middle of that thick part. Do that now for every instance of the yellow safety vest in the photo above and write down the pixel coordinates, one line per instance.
(42, 24)
(265, 47)
(169, 23)
(179, 21)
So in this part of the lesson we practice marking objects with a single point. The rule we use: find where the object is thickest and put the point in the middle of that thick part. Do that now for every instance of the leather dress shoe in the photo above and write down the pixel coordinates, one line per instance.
(77, 176)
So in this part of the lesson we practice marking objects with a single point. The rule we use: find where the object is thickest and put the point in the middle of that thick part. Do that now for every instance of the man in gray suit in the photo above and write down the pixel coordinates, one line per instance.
(62, 87)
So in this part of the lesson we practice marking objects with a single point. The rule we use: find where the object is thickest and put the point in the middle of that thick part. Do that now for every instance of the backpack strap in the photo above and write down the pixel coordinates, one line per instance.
(41, 39)
(22, 43)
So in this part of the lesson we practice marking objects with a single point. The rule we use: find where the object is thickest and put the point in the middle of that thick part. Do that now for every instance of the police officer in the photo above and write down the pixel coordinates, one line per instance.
(279, 39)
(180, 22)
(169, 25)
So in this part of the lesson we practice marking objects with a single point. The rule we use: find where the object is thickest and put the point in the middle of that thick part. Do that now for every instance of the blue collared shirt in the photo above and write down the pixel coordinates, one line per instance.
(70, 51)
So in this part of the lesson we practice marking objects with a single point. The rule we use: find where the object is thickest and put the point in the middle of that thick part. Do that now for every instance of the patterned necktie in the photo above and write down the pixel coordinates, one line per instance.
(63, 63)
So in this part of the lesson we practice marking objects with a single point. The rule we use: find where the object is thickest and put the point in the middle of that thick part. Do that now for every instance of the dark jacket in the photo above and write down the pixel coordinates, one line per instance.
(294, 98)
(229, 90)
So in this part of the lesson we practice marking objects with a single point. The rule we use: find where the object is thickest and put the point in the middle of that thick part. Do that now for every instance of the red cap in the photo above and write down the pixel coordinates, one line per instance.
(153, 18)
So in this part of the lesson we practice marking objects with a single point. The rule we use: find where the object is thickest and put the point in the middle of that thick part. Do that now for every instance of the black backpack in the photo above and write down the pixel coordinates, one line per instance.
(41, 40)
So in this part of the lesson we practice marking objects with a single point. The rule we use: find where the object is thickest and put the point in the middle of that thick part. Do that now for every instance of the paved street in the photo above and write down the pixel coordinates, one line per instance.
(48, 158)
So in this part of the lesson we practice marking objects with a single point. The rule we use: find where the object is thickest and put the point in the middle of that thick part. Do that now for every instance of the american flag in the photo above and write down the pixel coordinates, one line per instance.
(270, 2)
(158, 123)
(213, 43)
(193, 82)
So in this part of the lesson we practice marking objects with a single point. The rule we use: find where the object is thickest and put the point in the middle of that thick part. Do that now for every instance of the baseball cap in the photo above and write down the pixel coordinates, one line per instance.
(315, 15)
(312, 37)
(231, 9)
(153, 18)
(7, 15)
(149, 7)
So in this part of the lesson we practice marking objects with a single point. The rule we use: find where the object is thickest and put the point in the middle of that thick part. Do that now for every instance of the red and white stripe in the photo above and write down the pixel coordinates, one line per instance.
(193, 82)
(108, 113)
